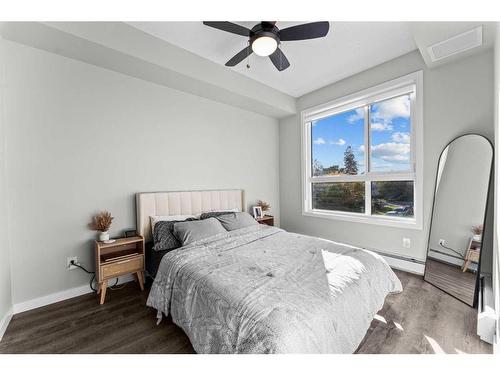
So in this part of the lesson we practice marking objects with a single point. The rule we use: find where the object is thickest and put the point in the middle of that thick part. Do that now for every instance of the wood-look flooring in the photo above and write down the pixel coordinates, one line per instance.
(451, 279)
(421, 319)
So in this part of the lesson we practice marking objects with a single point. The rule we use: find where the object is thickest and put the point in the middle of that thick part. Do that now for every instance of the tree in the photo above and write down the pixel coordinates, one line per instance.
(398, 191)
(341, 196)
(350, 163)
(317, 168)
(333, 170)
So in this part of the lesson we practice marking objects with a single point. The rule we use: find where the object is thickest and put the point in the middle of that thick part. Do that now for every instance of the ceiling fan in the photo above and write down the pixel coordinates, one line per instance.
(264, 39)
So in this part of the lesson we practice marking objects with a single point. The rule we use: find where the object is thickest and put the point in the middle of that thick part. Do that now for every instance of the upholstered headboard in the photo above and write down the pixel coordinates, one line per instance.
(166, 203)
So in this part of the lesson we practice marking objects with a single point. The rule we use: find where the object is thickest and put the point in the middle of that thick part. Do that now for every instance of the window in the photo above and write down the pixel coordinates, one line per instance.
(362, 156)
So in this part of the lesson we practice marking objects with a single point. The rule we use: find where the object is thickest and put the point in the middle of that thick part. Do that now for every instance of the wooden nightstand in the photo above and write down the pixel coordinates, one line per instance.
(472, 255)
(267, 219)
(122, 257)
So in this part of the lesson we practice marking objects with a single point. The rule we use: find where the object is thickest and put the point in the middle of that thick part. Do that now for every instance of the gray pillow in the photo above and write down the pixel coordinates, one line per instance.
(190, 231)
(163, 235)
(237, 220)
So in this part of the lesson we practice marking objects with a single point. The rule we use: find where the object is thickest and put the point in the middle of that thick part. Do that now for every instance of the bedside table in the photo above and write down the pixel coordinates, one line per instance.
(122, 257)
(267, 219)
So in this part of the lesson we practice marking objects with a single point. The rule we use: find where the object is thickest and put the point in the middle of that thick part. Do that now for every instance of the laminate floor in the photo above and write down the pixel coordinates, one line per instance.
(451, 279)
(421, 319)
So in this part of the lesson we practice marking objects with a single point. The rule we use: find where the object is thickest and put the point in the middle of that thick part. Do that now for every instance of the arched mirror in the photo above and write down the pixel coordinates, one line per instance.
(458, 215)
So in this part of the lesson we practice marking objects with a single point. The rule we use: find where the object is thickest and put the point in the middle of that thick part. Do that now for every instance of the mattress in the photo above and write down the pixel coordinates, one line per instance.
(261, 289)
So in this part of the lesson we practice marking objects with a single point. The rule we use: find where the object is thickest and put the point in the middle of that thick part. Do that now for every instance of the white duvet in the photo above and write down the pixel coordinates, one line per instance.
(263, 290)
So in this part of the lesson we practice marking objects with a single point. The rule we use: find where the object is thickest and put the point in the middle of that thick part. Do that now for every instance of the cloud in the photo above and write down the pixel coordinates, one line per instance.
(392, 151)
(362, 148)
(380, 127)
(390, 109)
(360, 113)
(401, 137)
(340, 142)
(319, 141)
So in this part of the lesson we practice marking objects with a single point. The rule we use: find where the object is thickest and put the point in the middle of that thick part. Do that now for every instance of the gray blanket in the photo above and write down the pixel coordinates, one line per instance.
(263, 290)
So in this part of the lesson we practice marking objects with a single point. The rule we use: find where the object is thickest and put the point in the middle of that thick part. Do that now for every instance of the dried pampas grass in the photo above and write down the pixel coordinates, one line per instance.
(101, 222)
(264, 205)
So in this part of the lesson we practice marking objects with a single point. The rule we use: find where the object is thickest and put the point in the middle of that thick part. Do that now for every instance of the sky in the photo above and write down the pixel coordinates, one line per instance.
(390, 136)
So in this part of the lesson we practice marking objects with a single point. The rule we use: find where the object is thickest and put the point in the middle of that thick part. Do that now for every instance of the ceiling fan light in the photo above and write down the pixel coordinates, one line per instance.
(264, 45)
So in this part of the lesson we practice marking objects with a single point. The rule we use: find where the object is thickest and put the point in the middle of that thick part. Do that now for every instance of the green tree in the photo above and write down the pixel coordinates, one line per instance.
(333, 170)
(399, 191)
(341, 196)
(350, 163)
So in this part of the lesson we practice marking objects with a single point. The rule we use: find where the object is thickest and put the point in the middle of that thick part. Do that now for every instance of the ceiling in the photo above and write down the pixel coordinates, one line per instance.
(190, 57)
(349, 48)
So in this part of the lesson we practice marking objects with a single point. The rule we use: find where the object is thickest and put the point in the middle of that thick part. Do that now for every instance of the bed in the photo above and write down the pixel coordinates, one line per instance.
(261, 289)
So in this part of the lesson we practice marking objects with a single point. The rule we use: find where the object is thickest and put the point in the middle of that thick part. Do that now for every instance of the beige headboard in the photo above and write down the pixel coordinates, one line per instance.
(183, 203)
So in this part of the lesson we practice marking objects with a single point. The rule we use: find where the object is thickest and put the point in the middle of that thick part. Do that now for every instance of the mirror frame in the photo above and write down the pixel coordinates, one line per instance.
(478, 276)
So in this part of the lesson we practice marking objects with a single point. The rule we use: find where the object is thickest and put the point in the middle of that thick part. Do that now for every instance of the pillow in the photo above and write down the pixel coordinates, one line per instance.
(188, 232)
(163, 235)
(206, 215)
(155, 219)
(237, 220)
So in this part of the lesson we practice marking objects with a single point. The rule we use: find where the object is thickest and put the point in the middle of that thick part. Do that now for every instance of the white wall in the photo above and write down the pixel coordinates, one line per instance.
(457, 100)
(81, 139)
(5, 281)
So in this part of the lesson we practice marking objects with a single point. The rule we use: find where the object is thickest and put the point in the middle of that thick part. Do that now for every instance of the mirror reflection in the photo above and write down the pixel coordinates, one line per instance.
(456, 233)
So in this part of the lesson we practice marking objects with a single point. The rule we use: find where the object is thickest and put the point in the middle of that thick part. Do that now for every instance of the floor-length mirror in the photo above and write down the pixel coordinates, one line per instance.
(458, 215)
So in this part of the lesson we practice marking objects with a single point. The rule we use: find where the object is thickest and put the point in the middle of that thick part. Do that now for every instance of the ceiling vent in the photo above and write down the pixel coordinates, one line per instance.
(456, 44)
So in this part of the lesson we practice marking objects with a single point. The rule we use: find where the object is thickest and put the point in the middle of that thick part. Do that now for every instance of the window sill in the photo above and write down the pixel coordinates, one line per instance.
(361, 218)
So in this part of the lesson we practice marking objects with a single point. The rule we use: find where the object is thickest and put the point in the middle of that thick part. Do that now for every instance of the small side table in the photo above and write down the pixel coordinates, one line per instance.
(267, 219)
(122, 257)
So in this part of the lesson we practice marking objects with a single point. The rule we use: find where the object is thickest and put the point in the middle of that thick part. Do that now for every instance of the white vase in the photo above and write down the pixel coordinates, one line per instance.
(104, 236)
(477, 237)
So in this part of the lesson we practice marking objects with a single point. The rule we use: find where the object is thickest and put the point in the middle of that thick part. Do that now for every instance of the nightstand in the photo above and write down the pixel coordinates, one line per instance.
(122, 257)
(267, 219)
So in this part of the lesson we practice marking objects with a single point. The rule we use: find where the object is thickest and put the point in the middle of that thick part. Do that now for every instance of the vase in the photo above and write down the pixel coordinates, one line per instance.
(104, 236)
(477, 237)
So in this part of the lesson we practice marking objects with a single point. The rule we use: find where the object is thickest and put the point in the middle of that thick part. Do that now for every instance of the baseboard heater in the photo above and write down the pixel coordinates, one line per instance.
(403, 263)
(486, 319)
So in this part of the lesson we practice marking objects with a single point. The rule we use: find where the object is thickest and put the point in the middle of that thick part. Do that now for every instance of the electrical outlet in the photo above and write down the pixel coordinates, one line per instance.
(68, 263)
(406, 243)
(442, 242)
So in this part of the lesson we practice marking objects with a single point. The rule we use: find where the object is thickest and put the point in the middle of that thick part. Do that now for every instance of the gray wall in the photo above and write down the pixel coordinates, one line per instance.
(81, 138)
(5, 287)
(458, 98)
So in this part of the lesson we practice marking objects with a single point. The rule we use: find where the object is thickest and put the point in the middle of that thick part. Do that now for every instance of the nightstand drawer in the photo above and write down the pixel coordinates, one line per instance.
(122, 267)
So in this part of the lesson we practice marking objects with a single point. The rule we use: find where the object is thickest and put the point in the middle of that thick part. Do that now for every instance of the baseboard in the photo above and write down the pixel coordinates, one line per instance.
(60, 296)
(5, 322)
(406, 265)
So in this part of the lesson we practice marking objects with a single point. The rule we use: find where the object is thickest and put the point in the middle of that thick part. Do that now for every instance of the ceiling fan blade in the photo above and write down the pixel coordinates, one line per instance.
(306, 31)
(279, 60)
(229, 27)
(240, 56)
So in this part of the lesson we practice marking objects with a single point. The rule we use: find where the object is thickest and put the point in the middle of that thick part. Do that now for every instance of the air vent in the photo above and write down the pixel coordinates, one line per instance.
(456, 44)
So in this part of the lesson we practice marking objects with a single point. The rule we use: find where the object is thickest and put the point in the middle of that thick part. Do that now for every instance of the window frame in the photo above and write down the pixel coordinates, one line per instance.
(411, 83)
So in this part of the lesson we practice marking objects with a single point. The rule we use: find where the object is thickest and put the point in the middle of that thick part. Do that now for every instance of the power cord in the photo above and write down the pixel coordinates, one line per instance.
(456, 252)
(91, 282)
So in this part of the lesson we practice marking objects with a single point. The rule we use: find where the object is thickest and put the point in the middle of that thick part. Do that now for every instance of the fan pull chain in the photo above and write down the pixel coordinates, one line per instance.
(248, 56)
